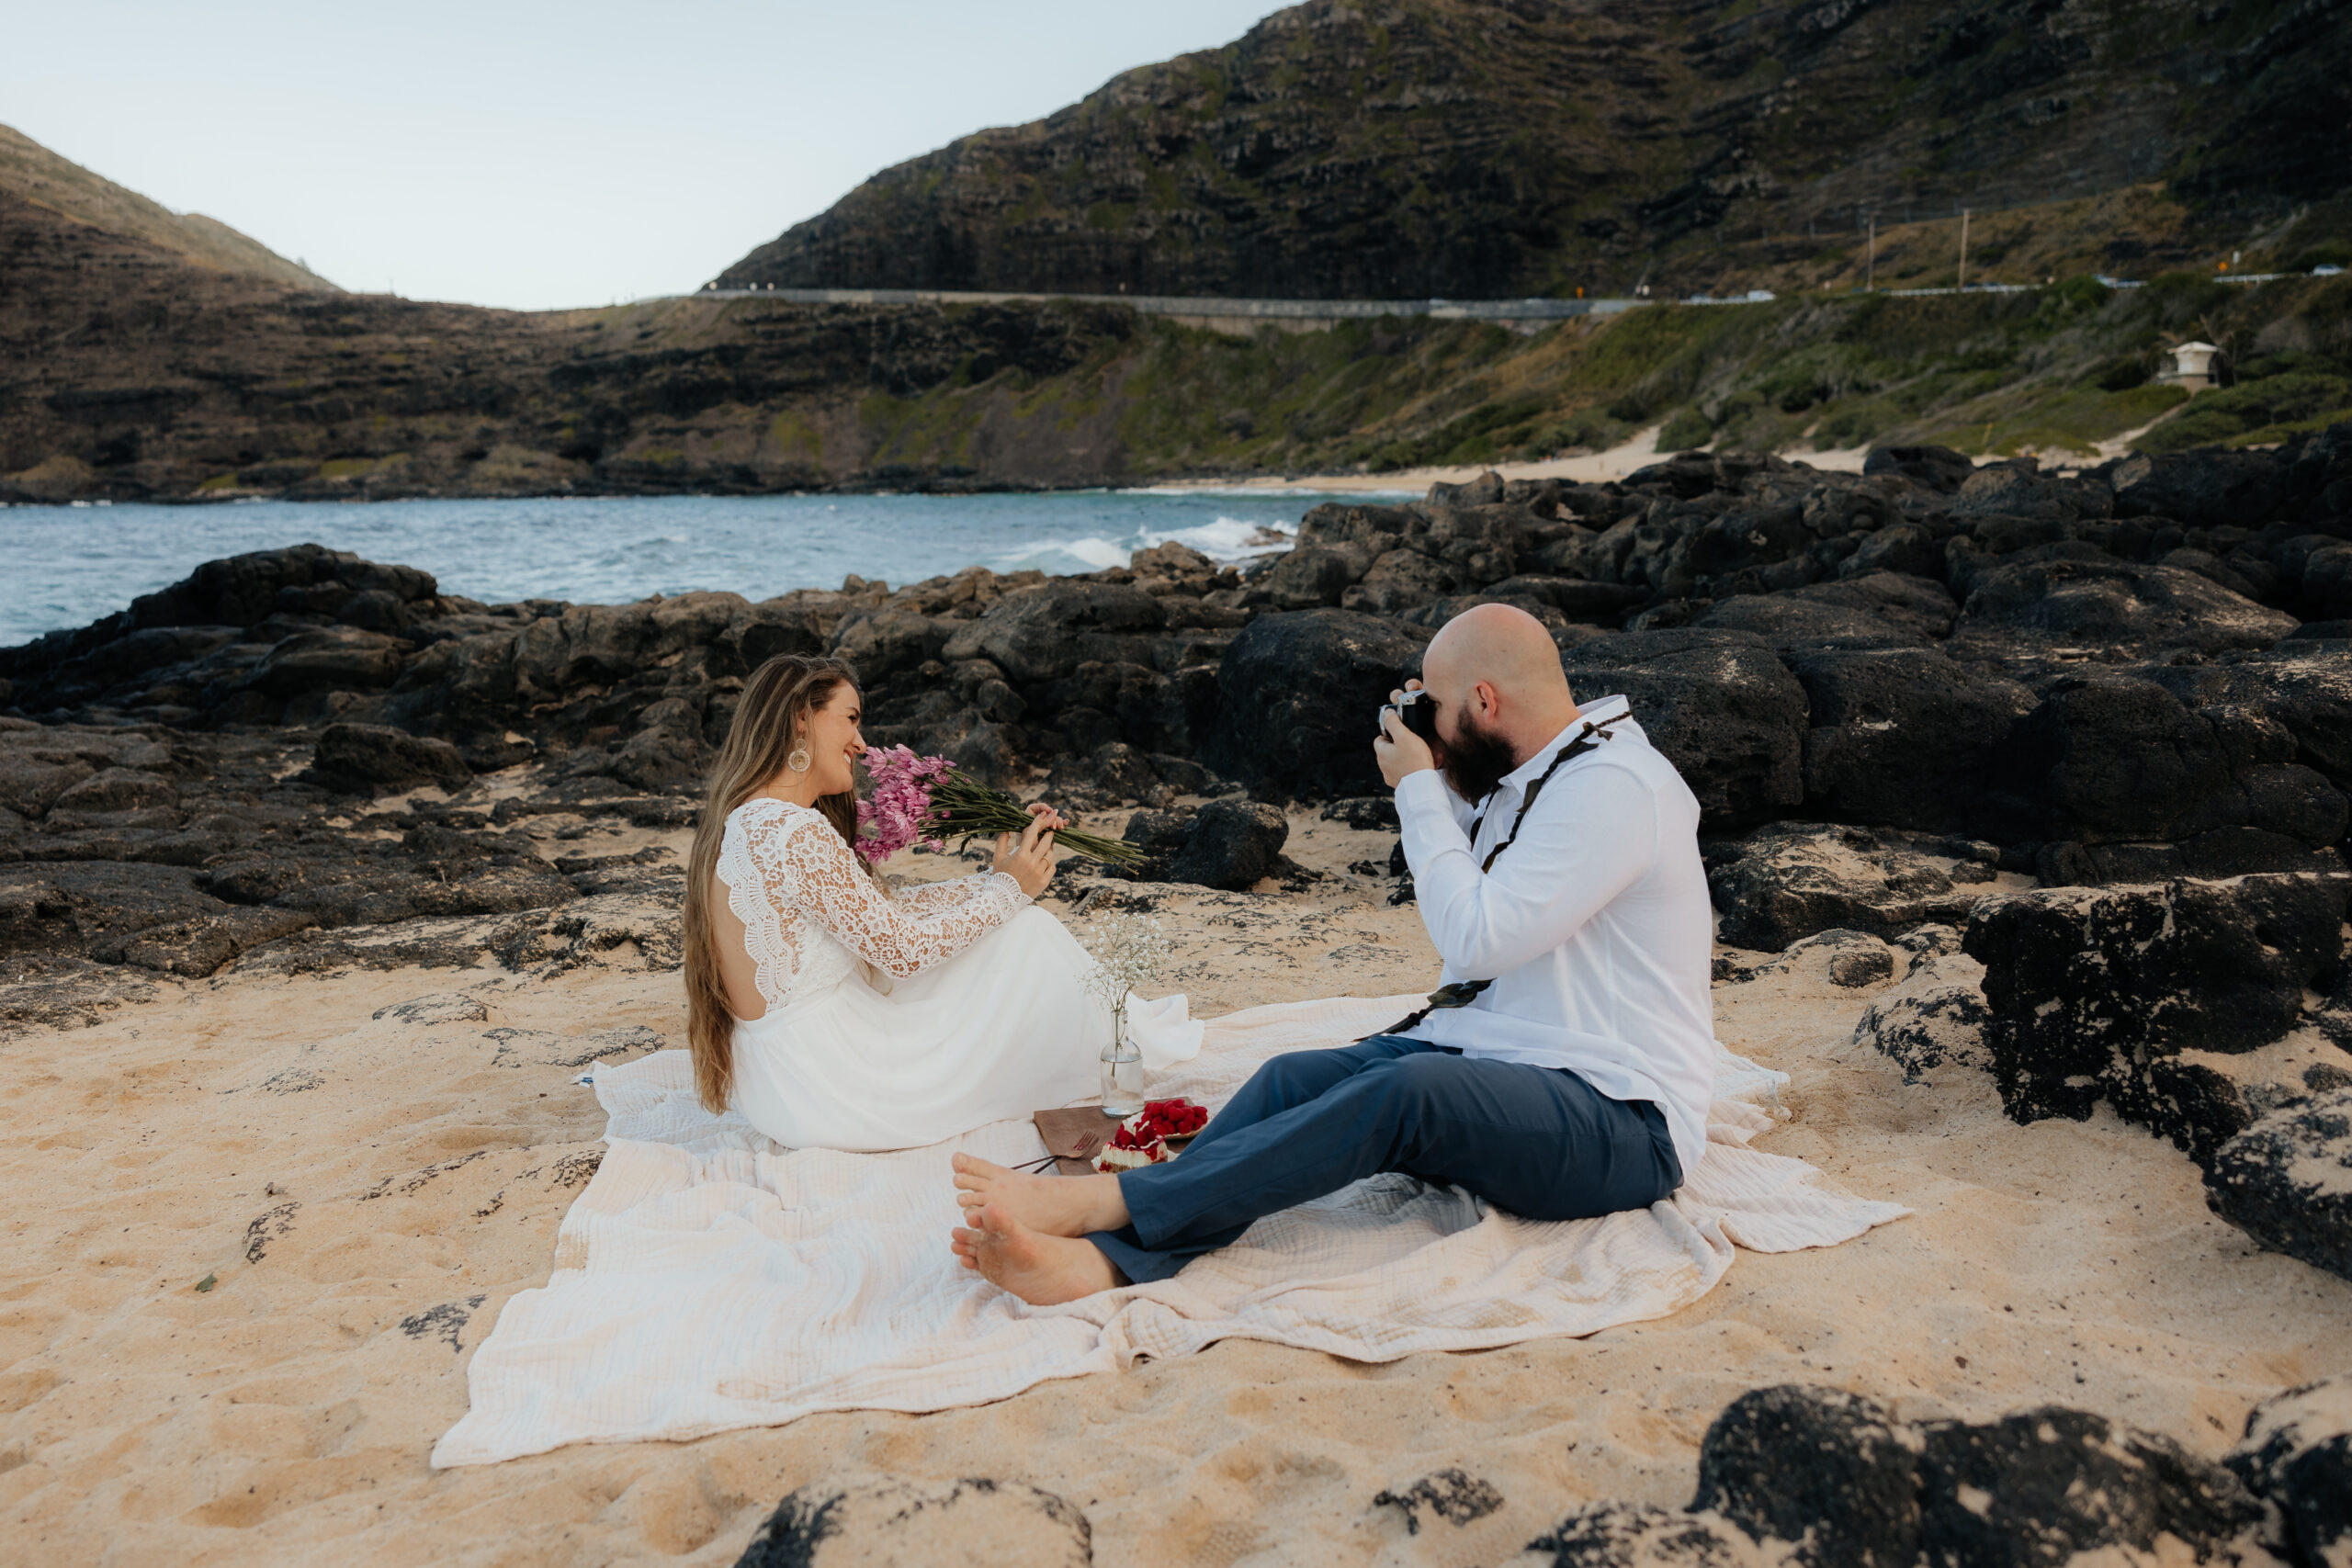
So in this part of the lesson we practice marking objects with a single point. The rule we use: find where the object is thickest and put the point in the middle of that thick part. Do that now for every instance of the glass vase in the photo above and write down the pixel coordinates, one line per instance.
(1122, 1071)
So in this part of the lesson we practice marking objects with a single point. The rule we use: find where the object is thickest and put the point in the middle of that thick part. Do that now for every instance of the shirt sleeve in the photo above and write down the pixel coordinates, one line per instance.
(1592, 835)
(898, 939)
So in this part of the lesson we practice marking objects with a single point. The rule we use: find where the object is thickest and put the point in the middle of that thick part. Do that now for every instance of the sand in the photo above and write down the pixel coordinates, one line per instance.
(366, 1192)
(1595, 468)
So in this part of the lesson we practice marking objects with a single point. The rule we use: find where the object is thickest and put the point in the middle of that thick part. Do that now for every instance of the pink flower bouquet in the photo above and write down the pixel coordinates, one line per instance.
(922, 802)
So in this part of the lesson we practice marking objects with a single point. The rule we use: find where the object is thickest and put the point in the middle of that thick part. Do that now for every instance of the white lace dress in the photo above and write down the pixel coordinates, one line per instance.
(981, 1015)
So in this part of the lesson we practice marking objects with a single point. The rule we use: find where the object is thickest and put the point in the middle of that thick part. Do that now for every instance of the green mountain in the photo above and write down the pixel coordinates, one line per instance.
(33, 173)
(1484, 149)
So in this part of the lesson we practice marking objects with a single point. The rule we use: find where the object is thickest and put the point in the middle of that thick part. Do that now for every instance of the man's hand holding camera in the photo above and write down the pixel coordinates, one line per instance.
(1408, 725)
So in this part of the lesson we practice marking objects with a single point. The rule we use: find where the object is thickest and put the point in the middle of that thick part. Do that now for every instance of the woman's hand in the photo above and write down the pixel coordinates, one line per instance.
(1030, 862)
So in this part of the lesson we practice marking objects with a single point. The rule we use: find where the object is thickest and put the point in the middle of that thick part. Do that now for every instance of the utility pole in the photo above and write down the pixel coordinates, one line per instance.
(1963, 247)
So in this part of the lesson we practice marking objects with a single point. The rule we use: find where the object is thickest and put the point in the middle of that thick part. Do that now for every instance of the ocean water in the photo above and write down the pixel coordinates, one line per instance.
(66, 566)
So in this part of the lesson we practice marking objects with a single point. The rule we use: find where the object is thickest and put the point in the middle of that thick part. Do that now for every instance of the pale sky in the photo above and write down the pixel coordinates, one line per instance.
(540, 156)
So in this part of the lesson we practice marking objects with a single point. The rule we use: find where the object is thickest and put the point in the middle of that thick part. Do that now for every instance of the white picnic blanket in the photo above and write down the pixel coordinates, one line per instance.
(706, 1279)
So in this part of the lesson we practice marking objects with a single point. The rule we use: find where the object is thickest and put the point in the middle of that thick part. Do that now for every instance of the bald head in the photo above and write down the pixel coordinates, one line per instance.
(1496, 668)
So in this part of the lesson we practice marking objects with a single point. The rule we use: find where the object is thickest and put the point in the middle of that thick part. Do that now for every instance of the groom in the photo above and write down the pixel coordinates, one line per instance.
(1562, 1071)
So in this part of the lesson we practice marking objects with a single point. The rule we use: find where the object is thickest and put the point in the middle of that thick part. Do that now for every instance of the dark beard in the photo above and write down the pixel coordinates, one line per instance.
(1476, 762)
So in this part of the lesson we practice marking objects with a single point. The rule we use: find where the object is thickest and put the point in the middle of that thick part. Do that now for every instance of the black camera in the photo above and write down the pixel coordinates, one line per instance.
(1418, 710)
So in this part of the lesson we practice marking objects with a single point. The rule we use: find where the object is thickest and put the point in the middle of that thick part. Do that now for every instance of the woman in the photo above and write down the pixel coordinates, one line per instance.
(835, 1013)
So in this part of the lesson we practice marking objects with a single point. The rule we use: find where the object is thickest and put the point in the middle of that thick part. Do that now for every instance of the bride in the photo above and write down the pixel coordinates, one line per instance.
(834, 1012)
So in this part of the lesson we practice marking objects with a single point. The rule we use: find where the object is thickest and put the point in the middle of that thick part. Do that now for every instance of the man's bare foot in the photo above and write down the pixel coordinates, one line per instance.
(1050, 1205)
(1043, 1270)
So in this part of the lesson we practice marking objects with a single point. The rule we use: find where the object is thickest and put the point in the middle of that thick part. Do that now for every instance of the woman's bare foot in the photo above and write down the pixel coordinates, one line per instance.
(1043, 1270)
(1050, 1205)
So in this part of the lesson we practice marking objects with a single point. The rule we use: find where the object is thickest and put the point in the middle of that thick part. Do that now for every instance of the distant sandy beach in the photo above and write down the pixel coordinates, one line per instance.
(1598, 467)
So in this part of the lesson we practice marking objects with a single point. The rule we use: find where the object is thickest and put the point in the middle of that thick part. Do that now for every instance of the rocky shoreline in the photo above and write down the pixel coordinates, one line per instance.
(2053, 770)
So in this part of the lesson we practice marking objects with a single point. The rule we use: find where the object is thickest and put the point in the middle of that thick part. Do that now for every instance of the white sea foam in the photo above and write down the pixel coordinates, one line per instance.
(1227, 539)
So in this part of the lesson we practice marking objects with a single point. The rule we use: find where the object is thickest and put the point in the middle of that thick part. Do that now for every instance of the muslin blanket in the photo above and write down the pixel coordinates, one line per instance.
(706, 1279)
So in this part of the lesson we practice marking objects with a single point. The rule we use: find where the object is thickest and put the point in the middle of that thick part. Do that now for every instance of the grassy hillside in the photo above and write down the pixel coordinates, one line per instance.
(2057, 371)
(34, 174)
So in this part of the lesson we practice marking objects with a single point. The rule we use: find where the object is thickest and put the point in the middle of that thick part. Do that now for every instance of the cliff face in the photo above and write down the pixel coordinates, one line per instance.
(1416, 148)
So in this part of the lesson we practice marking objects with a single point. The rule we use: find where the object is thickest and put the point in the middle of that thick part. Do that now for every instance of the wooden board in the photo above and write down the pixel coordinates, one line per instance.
(1072, 1126)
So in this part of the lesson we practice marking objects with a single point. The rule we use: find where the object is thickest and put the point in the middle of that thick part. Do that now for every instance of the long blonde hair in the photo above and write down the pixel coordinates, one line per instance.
(770, 721)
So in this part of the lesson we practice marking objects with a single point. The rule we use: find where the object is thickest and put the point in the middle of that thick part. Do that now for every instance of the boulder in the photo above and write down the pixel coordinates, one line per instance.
(2045, 1486)
(2286, 1180)
(885, 645)
(2302, 688)
(1401, 580)
(2298, 1453)
(1298, 700)
(2126, 994)
(1717, 704)
(1044, 632)
(1378, 528)
(1366, 814)
(1938, 468)
(1231, 845)
(1486, 489)
(1902, 736)
(2206, 489)
(1823, 1477)
(1926, 1029)
(1638, 1535)
(1910, 549)
(2107, 609)
(1794, 880)
(2111, 757)
(1833, 1471)
(1315, 575)
(340, 659)
(375, 759)
(949, 1524)
(667, 752)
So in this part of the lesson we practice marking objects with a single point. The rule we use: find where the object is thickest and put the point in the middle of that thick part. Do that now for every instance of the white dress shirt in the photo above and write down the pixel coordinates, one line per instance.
(1595, 925)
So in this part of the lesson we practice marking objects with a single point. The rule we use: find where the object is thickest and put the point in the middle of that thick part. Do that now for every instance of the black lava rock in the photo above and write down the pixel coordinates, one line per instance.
(1637, 1535)
(2107, 608)
(1299, 697)
(1231, 845)
(2037, 1488)
(1717, 704)
(376, 758)
(2098, 992)
(1784, 882)
(2287, 1181)
(1830, 1471)
(1904, 736)
(2298, 1453)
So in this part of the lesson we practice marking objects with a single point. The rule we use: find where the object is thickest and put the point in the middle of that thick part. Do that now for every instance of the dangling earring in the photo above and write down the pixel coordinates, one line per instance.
(798, 761)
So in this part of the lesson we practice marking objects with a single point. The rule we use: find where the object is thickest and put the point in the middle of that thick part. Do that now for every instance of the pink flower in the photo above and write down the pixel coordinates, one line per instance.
(898, 812)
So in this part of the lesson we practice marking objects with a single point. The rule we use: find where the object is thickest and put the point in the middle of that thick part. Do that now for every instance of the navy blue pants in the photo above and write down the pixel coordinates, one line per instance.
(1536, 1142)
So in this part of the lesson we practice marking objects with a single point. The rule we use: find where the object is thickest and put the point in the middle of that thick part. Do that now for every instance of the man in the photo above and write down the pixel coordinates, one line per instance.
(1563, 1071)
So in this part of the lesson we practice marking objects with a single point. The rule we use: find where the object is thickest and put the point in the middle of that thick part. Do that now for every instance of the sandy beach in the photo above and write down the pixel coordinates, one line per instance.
(1596, 467)
(364, 1188)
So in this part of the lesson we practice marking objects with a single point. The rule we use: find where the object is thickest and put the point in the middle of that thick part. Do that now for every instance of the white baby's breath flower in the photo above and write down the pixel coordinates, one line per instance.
(1130, 953)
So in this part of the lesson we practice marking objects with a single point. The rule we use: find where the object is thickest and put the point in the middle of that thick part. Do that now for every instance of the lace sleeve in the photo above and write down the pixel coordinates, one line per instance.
(938, 897)
(808, 854)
